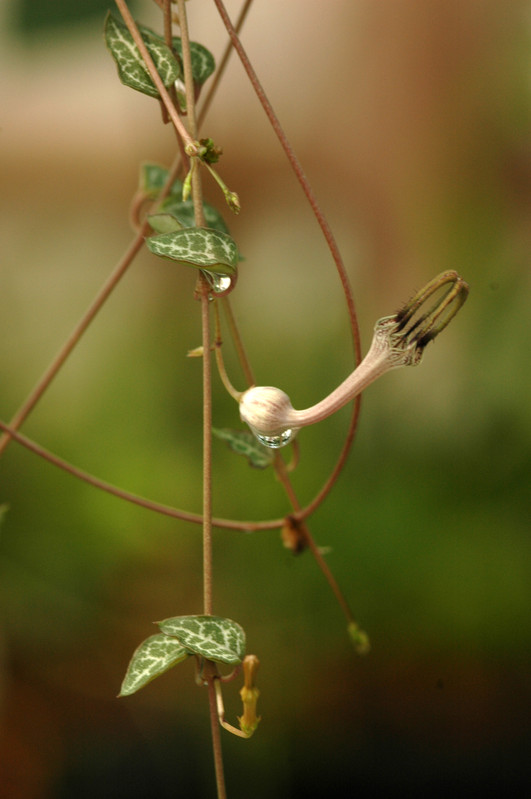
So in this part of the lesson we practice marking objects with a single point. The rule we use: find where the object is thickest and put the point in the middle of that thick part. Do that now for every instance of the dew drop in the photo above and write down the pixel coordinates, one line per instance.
(220, 283)
(275, 442)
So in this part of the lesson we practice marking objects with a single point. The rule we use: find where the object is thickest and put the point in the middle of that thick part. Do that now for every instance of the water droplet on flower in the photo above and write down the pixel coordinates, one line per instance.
(275, 442)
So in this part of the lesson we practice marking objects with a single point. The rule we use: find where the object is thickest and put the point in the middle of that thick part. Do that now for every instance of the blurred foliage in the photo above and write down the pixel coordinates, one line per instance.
(30, 19)
(428, 527)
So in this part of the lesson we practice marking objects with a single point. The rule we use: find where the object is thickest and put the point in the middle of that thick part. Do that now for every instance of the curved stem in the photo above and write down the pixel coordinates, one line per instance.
(220, 707)
(237, 340)
(223, 63)
(299, 172)
(282, 474)
(327, 233)
(58, 361)
(97, 303)
(128, 496)
(218, 344)
(343, 455)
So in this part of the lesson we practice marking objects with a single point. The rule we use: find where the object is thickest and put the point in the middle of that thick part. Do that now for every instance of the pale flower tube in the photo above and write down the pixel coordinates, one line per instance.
(398, 340)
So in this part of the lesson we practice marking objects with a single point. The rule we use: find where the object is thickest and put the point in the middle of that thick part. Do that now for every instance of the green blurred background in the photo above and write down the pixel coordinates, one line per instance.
(412, 121)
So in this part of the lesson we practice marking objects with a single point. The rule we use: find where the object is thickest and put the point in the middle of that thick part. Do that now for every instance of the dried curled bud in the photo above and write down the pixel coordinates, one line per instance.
(399, 340)
(249, 694)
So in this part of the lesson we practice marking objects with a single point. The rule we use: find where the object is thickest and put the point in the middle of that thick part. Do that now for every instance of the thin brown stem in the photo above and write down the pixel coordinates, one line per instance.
(128, 496)
(343, 455)
(220, 707)
(238, 343)
(216, 740)
(99, 300)
(220, 363)
(207, 451)
(207, 102)
(187, 66)
(299, 172)
(167, 24)
(74, 337)
(204, 292)
(283, 477)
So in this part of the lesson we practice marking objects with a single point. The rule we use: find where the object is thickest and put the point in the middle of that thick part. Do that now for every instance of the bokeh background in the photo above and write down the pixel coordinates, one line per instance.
(412, 121)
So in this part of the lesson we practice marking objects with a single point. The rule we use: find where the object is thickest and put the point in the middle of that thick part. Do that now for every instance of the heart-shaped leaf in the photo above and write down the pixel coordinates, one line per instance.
(203, 248)
(245, 443)
(184, 211)
(211, 637)
(131, 67)
(203, 63)
(153, 657)
(153, 178)
(164, 223)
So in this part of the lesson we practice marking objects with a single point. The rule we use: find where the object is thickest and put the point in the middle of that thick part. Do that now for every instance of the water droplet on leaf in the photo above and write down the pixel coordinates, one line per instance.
(220, 283)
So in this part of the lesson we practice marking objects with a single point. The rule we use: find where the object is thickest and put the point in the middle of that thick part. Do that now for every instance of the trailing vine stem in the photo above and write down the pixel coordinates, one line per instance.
(128, 496)
(216, 737)
(220, 363)
(207, 450)
(283, 476)
(237, 341)
(103, 294)
(204, 293)
(329, 238)
(166, 10)
(220, 71)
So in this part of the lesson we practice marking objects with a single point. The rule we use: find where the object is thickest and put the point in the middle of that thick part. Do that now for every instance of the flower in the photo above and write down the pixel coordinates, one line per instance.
(399, 340)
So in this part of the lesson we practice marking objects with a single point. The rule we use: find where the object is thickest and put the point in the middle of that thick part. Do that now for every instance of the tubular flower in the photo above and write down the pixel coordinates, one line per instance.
(399, 340)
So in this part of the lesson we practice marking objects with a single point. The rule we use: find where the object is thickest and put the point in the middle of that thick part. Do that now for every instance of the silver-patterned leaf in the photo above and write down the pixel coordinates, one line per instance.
(203, 248)
(203, 64)
(131, 68)
(184, 211)
(164, 223)
(153, 178)
(212, 637)
(245, 443)
(153, 657)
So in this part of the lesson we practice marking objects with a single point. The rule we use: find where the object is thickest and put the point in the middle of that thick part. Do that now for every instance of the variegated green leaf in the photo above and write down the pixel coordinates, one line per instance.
(153, 657)
(164, 223)
(203, 63)
(200, 247)
(131, 68)
(244, 443)
(212, 637)
(184, 211)
(152, 180)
